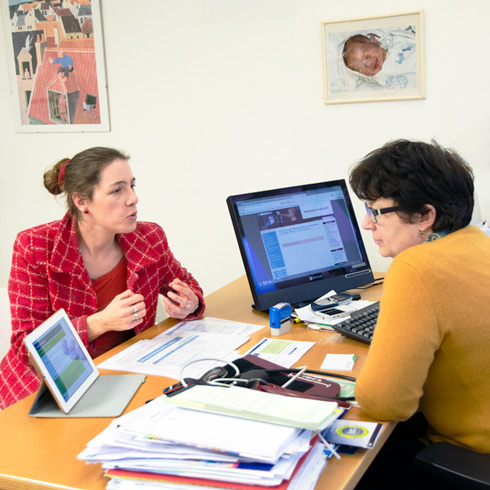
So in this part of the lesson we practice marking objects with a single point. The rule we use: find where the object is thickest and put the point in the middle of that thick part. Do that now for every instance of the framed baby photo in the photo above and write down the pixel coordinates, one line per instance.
(374, 58)
(56, 64)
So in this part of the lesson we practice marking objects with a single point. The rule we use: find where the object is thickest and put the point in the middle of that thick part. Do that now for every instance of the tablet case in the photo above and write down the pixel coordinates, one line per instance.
(108, 396)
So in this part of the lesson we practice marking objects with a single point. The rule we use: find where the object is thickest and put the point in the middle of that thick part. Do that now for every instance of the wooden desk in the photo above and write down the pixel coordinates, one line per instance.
(41, 453)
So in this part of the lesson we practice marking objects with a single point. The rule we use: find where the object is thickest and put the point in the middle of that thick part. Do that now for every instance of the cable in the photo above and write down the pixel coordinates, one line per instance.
(301, 370)
(237, 379)
(327, 444)
(312, 371)
(234, 381)
(377, 281)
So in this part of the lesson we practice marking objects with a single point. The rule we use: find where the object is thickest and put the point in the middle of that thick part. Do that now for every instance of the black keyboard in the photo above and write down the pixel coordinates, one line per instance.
(360, 325)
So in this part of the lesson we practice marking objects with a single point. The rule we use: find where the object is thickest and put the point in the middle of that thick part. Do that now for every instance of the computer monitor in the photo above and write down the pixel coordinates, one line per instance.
(298, 243)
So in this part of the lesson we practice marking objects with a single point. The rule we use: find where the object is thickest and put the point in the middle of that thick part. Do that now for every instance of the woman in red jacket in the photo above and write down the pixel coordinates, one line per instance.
(100, 264)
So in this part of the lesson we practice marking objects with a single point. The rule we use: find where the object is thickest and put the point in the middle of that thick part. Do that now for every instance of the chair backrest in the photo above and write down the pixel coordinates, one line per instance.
(5, 323)
(457, 466)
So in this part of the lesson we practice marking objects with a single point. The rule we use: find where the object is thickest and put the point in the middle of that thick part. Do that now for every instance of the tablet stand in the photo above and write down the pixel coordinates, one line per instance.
(108, 396)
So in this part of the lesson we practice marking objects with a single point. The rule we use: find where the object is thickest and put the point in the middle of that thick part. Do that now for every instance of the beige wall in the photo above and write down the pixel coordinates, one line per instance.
(217, 97)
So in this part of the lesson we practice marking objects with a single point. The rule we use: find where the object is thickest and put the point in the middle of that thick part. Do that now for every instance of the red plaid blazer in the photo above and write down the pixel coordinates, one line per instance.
(48, 273)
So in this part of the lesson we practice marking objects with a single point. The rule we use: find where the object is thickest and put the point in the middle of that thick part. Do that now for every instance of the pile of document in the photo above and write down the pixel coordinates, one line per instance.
(168, 353)
(166, 445)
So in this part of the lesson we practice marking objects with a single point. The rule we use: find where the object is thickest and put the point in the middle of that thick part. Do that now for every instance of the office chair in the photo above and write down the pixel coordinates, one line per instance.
(461, 467)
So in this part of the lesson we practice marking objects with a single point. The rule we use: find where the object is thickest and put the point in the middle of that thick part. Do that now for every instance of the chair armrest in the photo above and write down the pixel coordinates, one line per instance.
(456, 465)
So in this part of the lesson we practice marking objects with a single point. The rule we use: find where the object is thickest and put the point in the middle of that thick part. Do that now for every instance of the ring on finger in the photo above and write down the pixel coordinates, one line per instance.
(188, 305)
(135, 309)
(136, 316)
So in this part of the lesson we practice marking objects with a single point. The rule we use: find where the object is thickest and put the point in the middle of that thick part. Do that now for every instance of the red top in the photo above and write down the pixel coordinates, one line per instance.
(48, 273)
(106, 287)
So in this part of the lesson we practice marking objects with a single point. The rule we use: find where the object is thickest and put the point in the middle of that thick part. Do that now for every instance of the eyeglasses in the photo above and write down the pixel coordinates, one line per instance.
(373, 213)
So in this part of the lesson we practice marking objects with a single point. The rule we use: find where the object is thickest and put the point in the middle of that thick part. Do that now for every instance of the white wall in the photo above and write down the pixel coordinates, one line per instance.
(217, 97)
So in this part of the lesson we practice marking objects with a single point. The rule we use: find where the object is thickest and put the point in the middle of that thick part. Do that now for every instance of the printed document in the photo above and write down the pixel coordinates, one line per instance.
(283, 352)
(167, 354)
(170, 424)
(214, 325)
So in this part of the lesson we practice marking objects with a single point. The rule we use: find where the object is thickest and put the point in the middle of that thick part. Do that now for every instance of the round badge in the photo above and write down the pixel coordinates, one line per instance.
(352, 431)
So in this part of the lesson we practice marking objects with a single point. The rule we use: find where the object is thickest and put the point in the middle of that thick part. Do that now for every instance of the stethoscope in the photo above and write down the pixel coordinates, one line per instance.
(219, 376)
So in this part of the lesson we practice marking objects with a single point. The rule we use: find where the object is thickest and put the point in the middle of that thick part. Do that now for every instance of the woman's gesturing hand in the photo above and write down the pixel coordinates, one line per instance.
(124, 312)
(181, 301)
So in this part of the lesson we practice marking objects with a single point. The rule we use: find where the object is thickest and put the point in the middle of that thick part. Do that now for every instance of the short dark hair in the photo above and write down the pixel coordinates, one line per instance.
(414, 174)
(82, 174)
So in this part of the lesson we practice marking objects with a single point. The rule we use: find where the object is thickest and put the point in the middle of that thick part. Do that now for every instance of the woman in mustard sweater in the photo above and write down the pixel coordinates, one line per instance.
(429, 353)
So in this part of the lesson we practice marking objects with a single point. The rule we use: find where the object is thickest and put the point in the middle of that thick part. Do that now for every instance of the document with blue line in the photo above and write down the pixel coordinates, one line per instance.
(166, 355)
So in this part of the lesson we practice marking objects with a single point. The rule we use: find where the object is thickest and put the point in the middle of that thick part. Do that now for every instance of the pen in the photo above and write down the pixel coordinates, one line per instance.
(374, 435)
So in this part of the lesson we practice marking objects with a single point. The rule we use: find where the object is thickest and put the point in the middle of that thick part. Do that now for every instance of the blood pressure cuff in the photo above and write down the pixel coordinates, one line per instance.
(263, 375)
(277, 375)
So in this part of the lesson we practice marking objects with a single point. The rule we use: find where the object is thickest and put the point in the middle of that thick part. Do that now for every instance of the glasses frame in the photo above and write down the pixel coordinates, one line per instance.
(374, 213)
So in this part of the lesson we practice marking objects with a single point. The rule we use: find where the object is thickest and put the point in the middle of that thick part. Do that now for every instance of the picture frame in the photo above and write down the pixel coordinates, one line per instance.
(56, 65)
(370, 59)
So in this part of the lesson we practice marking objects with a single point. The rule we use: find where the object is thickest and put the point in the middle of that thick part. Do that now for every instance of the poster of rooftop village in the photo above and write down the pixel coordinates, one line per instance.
(56, 65)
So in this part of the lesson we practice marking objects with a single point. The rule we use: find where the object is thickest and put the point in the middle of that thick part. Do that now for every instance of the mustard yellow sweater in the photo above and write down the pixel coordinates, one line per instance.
(431, 346)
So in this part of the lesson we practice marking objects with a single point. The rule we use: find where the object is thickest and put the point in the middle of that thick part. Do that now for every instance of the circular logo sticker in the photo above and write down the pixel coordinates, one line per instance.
(352, 431)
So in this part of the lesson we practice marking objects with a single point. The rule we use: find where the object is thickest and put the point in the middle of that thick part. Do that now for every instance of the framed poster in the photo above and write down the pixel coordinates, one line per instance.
(56, 65)
(374, 58)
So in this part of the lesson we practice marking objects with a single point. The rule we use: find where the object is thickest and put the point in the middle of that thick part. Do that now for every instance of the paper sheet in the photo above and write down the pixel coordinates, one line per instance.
(214, 325)
(201, 430)
(283, 352)
(339, 362)
(166, 355)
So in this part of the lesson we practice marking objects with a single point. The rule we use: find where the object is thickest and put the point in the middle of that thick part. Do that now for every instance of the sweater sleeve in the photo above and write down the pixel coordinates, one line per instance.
(406, 338)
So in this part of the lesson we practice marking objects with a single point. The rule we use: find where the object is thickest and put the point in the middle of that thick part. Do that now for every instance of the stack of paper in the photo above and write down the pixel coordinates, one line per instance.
(162, 445)
(169, 353)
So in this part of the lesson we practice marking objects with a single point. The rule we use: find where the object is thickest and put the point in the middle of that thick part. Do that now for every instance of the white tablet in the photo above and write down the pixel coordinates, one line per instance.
(61, 359)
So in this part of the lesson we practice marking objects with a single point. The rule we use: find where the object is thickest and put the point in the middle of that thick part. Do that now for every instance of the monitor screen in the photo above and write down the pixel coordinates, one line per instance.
(298, 243)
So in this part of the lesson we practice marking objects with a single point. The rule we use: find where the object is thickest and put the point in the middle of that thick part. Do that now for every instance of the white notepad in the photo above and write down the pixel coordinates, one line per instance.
(246, 403)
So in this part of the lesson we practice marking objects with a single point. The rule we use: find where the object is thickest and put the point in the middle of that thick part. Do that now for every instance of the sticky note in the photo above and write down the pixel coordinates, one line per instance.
(339, 362)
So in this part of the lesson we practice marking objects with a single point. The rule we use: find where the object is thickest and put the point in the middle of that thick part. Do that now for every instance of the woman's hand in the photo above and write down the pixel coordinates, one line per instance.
(124, 312)
(180, 302)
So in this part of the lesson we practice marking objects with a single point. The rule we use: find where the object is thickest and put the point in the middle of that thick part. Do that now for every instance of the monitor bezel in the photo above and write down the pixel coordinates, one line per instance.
(304, 293)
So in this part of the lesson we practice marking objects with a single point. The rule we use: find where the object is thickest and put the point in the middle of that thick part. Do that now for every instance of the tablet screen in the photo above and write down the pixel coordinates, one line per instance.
(60, 356)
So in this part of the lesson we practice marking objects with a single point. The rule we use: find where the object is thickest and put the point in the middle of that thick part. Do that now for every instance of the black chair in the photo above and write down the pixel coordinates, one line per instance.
(458, 466)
